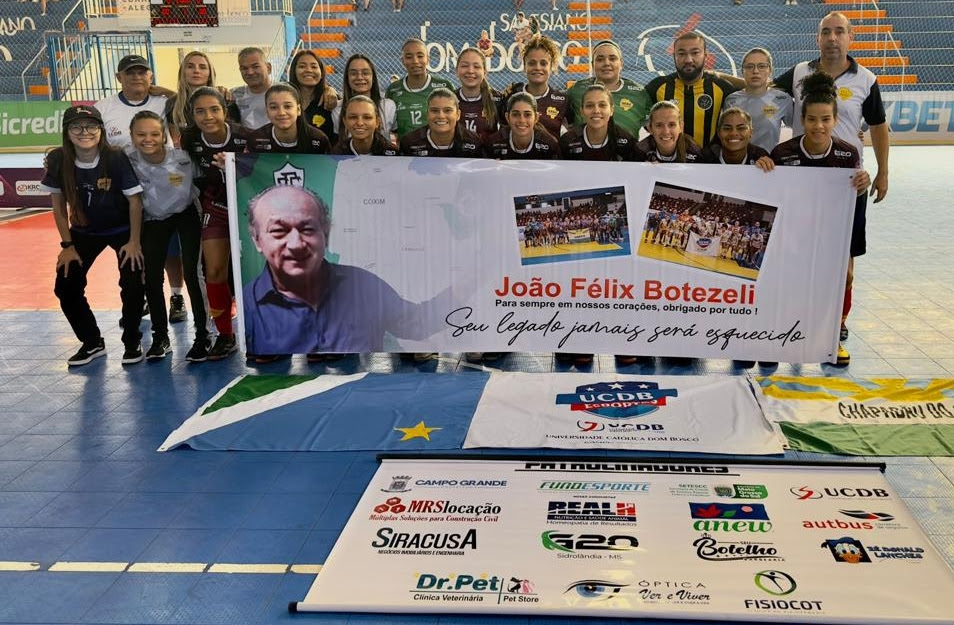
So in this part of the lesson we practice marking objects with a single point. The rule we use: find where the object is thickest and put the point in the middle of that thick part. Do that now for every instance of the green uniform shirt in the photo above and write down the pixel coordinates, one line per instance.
(412, 105)
(630, 103)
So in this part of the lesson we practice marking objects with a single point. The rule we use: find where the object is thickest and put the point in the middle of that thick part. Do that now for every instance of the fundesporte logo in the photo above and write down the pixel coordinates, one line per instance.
(617, 400)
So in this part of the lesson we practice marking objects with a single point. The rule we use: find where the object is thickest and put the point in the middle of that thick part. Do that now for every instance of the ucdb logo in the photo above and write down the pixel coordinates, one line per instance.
(804, 493)
(617, 400)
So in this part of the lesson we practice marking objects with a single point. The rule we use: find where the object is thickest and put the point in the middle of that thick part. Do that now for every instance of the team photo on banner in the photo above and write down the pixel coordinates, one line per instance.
(413, 254)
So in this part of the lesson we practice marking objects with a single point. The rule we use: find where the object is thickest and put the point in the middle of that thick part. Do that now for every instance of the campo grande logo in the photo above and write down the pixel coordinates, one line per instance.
(617, 400)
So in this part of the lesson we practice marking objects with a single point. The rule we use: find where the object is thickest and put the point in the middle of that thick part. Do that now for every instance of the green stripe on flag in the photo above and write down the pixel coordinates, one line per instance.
(871, 440)
(255, 386)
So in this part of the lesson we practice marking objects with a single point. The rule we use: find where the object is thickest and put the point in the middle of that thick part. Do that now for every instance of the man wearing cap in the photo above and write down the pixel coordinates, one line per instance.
(135, 76)
(630, 100)
(699, 93)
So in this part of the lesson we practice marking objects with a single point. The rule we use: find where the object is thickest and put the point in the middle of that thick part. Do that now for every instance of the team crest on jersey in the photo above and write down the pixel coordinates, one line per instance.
(104, 184)
(626, 104)
(769, 111)
(704, 102)
(617, 400)
(317, 121)
(289, 175)
(552, 112)
(844, 93)
(175, 179)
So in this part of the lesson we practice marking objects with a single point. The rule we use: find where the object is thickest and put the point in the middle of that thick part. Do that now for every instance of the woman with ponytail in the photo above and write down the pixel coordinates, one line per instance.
(818, 147)
(287, 132)
(667, 143)
(599, 138)
(478, 102)
(443, 135)
(523, 136)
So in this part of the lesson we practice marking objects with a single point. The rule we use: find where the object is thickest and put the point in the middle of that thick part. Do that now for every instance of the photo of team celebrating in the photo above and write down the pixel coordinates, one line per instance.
(604, 117)
(705, 230)
(577, 225)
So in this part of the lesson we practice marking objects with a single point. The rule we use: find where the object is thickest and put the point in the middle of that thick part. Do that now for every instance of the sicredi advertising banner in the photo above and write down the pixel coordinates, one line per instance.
(599, 537)
(480, 255)
(31, 126)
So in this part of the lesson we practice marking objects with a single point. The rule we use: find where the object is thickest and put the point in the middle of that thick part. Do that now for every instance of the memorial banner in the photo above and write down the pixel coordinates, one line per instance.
(610, 411)
(877, 417)
(425, 254)
(598, 537)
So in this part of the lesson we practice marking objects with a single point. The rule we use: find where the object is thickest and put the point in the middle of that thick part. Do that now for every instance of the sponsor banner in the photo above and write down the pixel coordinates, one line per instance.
(876, 417)
(31, 126)
(20, 188)
(428, 255)
(657, 539)
(919, 117)
(613, 411)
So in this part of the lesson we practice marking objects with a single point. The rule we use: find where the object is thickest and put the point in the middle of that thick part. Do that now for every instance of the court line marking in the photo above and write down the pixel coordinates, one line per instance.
(23, 566)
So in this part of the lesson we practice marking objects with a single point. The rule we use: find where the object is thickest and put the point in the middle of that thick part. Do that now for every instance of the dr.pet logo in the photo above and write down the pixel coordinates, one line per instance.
(617, 400)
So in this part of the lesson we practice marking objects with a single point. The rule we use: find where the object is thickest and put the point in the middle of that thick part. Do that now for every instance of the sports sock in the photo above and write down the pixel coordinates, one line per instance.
(220, 306)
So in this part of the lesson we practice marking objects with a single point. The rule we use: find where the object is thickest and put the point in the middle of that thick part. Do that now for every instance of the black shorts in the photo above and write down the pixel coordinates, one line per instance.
(858, 241)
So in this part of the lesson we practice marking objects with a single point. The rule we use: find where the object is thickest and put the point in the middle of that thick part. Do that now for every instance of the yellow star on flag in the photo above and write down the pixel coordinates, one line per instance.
(418, 431)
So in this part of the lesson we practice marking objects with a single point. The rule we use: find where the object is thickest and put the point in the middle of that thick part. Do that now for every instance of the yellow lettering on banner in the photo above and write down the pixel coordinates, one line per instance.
(895, 389)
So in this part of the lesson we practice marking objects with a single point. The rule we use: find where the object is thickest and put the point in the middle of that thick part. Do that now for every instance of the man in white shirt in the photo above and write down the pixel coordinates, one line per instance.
(135, 76)
(248, 106)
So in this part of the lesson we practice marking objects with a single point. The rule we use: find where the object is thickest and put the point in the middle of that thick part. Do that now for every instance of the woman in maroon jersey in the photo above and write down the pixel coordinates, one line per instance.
(523, 136)
(733, 145)
(599, 138)
(211, 135)
(667, 143)
(478, 102)
(819, 148)
(287, 131)
(541, 57)
(363, 130)
(442, 136)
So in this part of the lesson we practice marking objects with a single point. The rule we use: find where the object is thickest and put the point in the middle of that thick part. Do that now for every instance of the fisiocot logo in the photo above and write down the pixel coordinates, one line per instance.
(585, 511)
(741, 491)
(617, 400)
(730, 517)
(779, 584)
(29, 187)
(656, 47)
(713, 550)
(289, 175)
(473, 588)
(605, 487)
(389, 541)
(846, 549)
(588, 545)
(804, 493)
(461, 483)
(396, 509)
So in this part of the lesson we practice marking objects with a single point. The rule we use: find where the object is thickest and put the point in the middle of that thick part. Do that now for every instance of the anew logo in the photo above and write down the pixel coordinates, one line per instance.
(723, 517)
(617, 400)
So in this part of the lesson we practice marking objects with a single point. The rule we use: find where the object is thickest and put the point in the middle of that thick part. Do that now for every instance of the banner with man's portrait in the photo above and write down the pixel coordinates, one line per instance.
(363, 254)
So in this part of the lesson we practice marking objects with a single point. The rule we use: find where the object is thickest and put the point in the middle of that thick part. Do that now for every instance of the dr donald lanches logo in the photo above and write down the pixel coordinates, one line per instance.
(617, 400)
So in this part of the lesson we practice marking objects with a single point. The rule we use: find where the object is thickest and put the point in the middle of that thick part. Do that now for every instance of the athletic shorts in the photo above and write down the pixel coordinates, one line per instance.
(215, 221)
(859, 244)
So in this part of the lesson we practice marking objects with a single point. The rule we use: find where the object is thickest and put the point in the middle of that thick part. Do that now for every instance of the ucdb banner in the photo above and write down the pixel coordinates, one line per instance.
(342, 254)
(604, 537)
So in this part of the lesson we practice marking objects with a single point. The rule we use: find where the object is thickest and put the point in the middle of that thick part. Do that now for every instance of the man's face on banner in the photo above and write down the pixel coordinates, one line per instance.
(288, 234)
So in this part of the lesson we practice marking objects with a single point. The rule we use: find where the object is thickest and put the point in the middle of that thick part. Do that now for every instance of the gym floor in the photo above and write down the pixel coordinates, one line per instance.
(97, 527)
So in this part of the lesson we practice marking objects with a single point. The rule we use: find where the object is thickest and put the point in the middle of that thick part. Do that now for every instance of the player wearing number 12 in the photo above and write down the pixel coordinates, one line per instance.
(411, 93)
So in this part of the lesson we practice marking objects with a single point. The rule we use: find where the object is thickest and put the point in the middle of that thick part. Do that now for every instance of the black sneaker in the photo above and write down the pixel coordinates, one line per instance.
(133, 354)
(843, 333)
(87, 353)
(223, 348)
(199, 351)
(159, 349)
(177, 309)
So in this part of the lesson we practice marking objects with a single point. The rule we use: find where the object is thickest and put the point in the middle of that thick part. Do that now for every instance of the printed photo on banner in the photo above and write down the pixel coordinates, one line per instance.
(572, 225)
(300, 299)
(704, 230)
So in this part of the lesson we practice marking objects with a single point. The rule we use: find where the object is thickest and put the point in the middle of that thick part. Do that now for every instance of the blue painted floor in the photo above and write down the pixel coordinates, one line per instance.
(80, 480)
